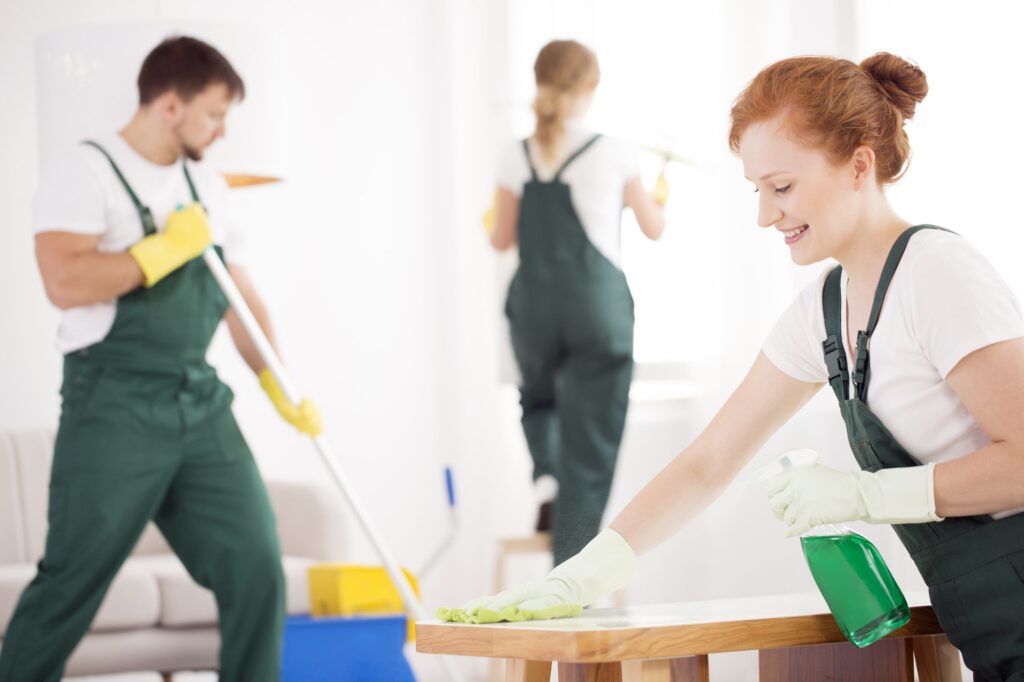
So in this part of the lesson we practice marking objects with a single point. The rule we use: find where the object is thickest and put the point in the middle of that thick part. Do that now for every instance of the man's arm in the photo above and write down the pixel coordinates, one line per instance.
(243, 343)
(75, 273)
(305, 416)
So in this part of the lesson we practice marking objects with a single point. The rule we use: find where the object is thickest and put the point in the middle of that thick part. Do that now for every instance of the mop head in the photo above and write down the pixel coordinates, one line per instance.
(511, 614)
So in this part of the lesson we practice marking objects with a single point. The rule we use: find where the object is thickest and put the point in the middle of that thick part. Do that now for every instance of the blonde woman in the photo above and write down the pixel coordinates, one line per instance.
(560, 197)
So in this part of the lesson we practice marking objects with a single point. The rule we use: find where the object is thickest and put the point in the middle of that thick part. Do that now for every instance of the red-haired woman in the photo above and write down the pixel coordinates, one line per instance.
(560, 197)
(930, 384)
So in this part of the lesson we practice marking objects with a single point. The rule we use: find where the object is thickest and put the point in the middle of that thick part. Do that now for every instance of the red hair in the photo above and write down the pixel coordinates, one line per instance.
(837, 106)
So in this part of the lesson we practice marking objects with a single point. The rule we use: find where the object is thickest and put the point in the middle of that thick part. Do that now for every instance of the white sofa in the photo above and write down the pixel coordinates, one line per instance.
(154, 617)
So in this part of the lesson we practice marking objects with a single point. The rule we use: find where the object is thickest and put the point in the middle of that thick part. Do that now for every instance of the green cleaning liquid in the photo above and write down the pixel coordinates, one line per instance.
(857, 585)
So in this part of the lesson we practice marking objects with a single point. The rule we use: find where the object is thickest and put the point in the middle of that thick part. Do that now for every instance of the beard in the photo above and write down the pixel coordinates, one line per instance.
(192, 153)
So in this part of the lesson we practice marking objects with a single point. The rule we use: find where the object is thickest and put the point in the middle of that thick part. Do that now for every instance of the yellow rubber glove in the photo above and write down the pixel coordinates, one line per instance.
(660, 191)
(186, 235)
(305, 417)
(489, 219)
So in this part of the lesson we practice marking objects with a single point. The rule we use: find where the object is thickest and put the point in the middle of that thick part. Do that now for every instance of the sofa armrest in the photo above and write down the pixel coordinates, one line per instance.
(311, 519)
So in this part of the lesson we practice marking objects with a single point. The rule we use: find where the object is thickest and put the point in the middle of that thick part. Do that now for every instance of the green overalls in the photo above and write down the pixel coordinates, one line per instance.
(973, 565)
(571, 319)
(146, 432)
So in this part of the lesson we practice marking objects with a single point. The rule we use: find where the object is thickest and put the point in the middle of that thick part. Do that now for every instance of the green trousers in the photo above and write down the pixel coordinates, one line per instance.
(135, 446)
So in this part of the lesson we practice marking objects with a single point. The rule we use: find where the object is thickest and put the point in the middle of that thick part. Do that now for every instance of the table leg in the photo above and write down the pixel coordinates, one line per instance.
(689, 669)
(521, 670)
(590, 672)
(937, 660)
(888, 659)
(647, 671)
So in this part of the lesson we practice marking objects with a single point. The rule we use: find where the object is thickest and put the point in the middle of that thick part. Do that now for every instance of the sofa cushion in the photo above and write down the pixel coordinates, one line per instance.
(133, 600)
(185, 604)
(26, 456)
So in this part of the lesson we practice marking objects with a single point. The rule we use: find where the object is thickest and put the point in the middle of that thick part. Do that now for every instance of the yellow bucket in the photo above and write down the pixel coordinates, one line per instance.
(353, 589)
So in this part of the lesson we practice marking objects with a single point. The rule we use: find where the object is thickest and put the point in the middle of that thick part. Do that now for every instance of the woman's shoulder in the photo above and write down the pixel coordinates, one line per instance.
(940, 268)
(938, 250)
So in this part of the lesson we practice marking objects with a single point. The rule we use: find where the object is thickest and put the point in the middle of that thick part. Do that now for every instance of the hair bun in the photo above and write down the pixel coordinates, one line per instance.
(904, 83)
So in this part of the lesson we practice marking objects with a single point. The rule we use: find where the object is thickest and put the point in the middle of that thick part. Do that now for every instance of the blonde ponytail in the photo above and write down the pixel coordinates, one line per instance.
(564, 70)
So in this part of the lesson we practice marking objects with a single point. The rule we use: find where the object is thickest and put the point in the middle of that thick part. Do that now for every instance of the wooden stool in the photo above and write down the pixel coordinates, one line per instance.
(507, 547)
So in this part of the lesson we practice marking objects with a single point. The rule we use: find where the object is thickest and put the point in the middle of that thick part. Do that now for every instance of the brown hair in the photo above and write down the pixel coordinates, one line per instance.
(837, 106)
(186, 66)
(564, 69)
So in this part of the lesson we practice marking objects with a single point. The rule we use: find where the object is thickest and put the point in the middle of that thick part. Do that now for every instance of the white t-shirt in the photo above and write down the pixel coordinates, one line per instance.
(597, 181)
(945, 301)
(79, 192)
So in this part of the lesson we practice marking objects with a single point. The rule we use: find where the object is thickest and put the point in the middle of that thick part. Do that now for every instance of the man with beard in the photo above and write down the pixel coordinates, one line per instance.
(146, 429)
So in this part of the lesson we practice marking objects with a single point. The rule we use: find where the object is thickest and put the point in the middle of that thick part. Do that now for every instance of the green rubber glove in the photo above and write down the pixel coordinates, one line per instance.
(606, 564)
(185, 236)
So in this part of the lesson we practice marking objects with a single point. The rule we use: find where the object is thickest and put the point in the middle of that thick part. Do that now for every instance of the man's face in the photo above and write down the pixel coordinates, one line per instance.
(201, 120)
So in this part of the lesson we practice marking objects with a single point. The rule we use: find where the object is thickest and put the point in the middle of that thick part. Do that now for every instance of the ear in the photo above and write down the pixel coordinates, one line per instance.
(862, 163)
(169, 106)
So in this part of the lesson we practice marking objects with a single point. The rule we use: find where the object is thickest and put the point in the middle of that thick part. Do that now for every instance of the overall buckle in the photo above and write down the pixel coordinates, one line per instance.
(861, 369)
(835, 361)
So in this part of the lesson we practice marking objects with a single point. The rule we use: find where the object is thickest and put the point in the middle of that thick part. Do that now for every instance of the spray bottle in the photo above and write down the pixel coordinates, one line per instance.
(850, 573)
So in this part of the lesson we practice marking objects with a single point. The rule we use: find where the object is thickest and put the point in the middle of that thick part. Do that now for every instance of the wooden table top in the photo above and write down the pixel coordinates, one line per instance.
(661, 630)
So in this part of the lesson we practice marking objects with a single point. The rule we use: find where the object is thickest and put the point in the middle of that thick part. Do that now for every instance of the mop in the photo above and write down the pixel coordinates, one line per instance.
(252, 328)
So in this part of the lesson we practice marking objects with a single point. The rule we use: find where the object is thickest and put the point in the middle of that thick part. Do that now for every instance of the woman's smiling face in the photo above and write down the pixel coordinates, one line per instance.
(811, 201)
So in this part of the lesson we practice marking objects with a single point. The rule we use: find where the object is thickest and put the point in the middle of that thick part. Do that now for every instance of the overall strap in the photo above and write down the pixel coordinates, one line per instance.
(889, 269)
(191, 185)
(575, 155)
(529, 163)
(835, 353)
(148, 225)
(862, 371)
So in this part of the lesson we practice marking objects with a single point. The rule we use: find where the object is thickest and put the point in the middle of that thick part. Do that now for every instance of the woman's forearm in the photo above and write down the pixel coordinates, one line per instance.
(681, 491)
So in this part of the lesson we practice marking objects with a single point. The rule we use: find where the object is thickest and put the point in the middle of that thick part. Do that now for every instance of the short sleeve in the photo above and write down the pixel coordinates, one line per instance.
(69, 198)
(513, 169)
(959, 303)
(629, 159)
(794, 344)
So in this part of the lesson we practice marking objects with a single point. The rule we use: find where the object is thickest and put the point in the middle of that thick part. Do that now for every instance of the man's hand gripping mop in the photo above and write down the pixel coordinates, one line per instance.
(227, 285)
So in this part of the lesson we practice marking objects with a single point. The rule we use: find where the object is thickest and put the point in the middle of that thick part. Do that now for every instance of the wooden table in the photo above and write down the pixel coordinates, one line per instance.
(795, 635)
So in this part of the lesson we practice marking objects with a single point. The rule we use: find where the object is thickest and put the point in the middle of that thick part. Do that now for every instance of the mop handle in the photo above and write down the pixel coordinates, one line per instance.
(252, 328)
